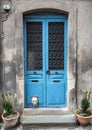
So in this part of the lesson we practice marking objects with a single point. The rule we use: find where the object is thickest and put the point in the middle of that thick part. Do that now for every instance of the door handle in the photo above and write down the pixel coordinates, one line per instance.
(48, 72)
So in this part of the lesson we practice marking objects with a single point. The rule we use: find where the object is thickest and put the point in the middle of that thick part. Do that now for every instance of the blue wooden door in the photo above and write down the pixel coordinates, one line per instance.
(45, 60)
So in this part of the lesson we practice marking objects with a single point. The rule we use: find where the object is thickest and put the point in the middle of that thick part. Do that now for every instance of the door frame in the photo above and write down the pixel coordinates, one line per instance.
(36, 17)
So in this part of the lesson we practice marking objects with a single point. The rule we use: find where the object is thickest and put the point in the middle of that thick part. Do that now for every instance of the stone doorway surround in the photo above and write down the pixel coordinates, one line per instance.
(24, 7)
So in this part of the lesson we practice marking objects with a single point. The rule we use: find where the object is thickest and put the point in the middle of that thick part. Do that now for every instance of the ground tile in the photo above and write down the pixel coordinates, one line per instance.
(59, 128)
(48, 128)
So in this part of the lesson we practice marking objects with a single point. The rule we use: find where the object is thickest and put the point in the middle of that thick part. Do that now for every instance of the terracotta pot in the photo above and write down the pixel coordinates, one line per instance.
(83, 120)
(10, 122)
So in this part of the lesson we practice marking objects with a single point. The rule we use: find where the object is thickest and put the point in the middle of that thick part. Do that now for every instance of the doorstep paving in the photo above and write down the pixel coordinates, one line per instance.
(49, 128)
(60, 128)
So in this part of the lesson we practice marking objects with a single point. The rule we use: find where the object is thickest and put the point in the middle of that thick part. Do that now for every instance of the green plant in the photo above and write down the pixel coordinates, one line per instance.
(85, 104)
(7, 104)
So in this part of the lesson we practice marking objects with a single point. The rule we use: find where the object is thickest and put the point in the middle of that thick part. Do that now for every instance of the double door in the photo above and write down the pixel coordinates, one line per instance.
(45, 61)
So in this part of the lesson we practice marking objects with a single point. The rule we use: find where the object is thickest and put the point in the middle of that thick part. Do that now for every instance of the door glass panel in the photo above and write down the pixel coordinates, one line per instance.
(56, 45)
(34, 45)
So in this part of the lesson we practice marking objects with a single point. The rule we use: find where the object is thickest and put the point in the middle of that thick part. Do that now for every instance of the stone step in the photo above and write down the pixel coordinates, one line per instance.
(46, 111)
(47, 119)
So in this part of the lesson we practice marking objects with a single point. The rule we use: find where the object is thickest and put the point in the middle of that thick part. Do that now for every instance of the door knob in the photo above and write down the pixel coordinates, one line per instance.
(48, 72)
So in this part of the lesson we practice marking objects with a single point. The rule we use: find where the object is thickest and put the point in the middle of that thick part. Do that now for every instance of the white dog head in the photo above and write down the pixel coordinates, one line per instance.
(34, 100)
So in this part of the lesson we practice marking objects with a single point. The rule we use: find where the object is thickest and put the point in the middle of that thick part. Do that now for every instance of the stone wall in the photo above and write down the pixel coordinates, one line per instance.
(79, 46)
(84, 44)
(0, 62)
(0, 48)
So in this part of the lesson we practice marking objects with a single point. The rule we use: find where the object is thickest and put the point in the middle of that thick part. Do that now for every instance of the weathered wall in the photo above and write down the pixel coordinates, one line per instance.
(79, 44)
(0, 47)
(0, 62)
(84, 41)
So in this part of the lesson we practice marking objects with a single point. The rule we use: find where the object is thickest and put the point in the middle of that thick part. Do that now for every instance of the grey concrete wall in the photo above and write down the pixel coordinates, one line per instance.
(84, 41)
(0, 62)
(79, 46)
(0, 53)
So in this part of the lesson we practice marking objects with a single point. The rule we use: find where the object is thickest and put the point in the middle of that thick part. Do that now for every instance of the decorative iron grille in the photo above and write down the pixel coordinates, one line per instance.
(34, 45)
(56, 45)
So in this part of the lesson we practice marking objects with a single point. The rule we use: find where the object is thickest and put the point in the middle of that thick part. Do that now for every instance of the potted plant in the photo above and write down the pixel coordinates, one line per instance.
(84, 114)
(10, 115)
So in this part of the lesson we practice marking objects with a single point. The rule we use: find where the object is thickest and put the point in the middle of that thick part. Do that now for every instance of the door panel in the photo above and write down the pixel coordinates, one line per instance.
(56, 45)
(56, 92)
(35, 88)
(34, 61)
(34, 46)
(56, 76)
